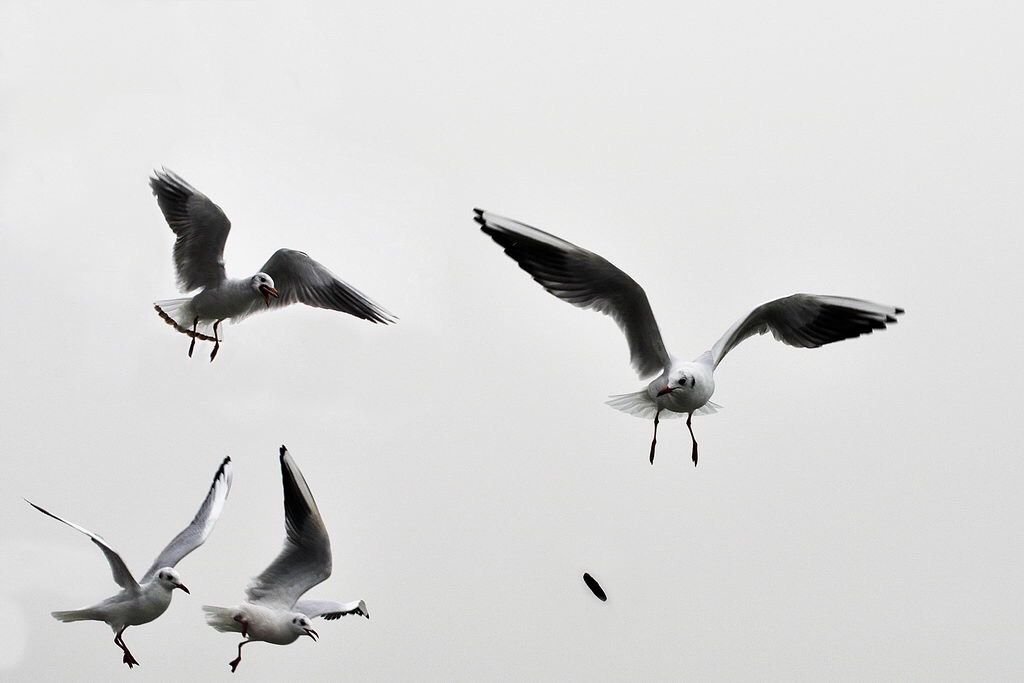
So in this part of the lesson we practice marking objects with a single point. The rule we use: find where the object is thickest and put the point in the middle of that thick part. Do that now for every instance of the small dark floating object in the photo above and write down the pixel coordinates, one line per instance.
(595, 587)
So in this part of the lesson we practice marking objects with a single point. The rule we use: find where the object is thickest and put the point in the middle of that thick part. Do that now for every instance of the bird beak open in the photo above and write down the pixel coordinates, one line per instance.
(182, 587)
(666, 390)
(312, 634)
(267, 291)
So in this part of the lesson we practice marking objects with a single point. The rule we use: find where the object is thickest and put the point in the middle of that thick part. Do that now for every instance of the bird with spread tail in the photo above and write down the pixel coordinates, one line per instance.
(273, 611)
(142, 601)
(288, 277)
(587, 280)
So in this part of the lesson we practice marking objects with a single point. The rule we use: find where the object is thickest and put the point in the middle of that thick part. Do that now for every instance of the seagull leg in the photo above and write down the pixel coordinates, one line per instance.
(654, 441)
(216, 340)
(192, 346)
(238, 660)
(693, 438)
(128, 658)
(245, 624)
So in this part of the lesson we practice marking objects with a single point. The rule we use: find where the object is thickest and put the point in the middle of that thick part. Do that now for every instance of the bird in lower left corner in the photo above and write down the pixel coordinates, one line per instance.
(142, 601)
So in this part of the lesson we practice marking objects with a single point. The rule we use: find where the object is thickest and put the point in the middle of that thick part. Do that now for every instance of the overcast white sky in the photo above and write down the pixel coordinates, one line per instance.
(857, 511)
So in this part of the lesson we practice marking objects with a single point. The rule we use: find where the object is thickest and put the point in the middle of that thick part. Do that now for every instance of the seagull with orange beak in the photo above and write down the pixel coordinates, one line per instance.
(587, 280)
(288, 277)
(142, 601)
(274, 611)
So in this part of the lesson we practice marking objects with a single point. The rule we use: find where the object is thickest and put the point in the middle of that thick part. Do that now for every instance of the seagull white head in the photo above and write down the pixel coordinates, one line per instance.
(679, 379)
(300, 624)
(169, 579)
(264, 284)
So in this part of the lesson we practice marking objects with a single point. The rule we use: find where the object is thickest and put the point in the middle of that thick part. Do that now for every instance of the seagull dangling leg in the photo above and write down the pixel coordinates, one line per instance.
(654, 441)
(216, 340)
(238, 660)
(128, 659)
(192, 346)
(693, 438)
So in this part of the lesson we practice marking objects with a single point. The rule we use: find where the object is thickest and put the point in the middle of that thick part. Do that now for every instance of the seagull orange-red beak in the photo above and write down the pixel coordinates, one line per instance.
(666, 390)
(267, 291)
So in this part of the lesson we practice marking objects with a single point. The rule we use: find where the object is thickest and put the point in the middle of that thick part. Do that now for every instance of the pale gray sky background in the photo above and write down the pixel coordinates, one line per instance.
(857, 512)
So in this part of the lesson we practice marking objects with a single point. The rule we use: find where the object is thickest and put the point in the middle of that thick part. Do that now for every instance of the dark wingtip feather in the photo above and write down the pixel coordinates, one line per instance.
(899, 311)
(283, 450)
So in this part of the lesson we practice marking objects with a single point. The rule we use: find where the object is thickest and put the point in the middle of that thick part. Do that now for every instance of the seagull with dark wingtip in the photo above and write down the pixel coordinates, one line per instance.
(288, 277)
(681, 387)
(142, 601)
(273, 611)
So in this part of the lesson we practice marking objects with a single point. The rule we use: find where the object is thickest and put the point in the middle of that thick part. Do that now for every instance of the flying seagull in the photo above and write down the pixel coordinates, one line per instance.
(288, 277)
(273, 611)
(140, 602)
(587, 280)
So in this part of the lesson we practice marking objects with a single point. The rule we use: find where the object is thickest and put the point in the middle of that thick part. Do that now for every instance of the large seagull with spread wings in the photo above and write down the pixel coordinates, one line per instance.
(274, 611)
(288, 277)
(587, 280)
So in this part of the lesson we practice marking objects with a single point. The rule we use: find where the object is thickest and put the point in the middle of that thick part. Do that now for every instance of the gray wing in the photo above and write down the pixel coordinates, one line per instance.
(586, 280)
(122, 577)
(201, 227)
(331, 610)
(300, 279)
(807, 320)
(305, 559)
(196, 533)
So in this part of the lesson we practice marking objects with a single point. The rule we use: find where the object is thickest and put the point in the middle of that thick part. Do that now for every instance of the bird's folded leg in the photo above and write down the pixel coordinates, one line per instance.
(654, 441)
(693, 438)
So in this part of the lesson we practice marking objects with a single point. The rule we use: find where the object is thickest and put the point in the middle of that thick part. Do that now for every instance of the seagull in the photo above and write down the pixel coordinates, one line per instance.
(587, 280)
(140, 602)
(273, 611)
(288, 277)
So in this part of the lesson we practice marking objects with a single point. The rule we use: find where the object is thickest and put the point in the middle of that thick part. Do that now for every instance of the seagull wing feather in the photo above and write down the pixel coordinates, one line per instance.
(198, 530)
(305, 559)
(122, 577)
(201, 228)
(808, 321)
(586, 280)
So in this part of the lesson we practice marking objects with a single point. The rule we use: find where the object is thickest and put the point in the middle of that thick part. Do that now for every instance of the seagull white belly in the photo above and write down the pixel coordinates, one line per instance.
(269, 625)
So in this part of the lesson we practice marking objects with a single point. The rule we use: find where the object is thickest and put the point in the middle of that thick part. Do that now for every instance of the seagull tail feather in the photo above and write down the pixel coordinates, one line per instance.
(178, 314)
(640, 404)
(222, 618)
(87, 614)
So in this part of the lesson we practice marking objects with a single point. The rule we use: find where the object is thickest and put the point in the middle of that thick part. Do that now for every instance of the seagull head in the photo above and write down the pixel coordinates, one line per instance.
(302, 627)
(677, 380)
(169, 579)
(264, 284)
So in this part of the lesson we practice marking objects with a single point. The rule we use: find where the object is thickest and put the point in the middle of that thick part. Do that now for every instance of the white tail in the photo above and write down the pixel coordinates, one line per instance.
(87, 614)
(642, 405)
(222, 618)
(178, 314)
